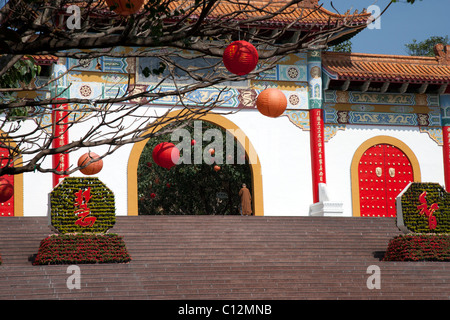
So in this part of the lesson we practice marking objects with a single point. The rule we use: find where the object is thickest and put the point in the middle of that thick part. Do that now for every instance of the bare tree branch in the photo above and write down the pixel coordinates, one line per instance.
(174, 33)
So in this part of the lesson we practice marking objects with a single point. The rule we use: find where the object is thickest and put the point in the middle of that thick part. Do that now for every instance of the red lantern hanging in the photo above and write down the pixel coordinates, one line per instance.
(6, 190)
(166, 155)
(271, 102)
(94, 167)
(125, 7)
(240, 57)
(216, 168)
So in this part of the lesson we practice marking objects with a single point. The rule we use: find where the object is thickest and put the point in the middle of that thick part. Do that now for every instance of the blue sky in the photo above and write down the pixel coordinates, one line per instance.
(400, 24)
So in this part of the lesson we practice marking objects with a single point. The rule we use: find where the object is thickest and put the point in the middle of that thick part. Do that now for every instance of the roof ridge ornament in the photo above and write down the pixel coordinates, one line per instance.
(308, 3)
(442, 53)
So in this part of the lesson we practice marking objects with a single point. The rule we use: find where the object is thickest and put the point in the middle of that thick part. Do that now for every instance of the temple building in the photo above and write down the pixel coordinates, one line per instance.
(357, 130)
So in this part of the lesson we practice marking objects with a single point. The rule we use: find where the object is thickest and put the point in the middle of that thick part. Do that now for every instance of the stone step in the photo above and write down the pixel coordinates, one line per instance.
(225, 257)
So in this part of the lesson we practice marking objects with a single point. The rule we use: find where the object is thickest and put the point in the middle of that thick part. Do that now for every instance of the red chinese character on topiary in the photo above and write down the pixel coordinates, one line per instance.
(84, 211)
(432, 223)
(423, 207)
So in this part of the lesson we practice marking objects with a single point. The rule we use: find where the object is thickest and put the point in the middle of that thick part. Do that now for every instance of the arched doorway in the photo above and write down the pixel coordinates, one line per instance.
(381, 168)
(221, 121)
(205, 182)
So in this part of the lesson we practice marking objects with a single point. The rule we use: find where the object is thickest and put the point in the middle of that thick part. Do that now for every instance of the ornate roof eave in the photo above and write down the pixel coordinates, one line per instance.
(43, 60)
(309, 14)
(386, 73)
(313, 19)
(307, 17)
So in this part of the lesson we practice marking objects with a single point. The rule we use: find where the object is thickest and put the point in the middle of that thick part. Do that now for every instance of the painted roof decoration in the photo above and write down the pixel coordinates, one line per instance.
(413, 73)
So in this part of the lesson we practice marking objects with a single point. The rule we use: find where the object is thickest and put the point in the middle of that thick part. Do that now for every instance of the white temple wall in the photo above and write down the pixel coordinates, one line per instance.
(284, 152)
(282, 148)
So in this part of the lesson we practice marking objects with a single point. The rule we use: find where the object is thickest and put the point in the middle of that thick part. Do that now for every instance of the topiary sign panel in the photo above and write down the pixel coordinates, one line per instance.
(82, 205)
(423, 208)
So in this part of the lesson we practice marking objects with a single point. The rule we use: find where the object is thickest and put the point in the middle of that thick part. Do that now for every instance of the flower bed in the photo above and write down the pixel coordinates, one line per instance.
(82, 248)
(419, 247)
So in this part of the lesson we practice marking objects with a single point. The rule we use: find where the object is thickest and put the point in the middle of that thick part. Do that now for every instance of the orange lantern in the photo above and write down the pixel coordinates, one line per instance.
(216, 168)
(125, 7)
(271, 102)
(94, 167)
(6, 190)
(166, 155)
(240, 57)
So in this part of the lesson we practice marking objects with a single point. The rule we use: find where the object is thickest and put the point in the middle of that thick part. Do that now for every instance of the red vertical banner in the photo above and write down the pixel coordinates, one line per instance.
(317, 142)
(7, 207)
(61, 138)
(446, 151)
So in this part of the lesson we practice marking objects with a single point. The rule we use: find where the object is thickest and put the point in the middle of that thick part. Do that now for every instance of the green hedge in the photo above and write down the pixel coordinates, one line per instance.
(417, 223)
(101, 205)
(82, 248)
(419, 247)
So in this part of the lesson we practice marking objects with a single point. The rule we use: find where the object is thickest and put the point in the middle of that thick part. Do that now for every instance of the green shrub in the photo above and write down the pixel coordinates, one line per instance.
(419, 223)
(101, 205)
(191, 189)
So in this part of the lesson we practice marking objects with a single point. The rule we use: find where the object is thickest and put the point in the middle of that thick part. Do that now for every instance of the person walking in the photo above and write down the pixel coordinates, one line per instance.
(246, 201)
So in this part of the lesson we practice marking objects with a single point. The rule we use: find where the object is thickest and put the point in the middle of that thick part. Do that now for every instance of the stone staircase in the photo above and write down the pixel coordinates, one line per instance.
(226, 257)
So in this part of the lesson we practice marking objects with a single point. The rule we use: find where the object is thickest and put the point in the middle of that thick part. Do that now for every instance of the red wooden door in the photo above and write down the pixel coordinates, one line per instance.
(383, 172)
(6, 208)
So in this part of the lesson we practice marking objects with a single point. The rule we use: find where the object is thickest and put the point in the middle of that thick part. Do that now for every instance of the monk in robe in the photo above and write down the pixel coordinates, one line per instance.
(246, 201)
